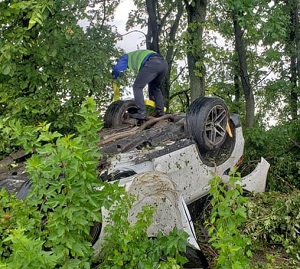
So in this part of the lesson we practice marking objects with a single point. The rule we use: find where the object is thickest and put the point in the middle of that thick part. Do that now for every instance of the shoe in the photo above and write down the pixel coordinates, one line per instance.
(137, 116)
(140, 122)
(157, 115)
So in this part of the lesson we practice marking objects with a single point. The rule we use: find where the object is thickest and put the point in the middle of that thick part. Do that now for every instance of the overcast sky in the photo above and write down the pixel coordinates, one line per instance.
(130, 41)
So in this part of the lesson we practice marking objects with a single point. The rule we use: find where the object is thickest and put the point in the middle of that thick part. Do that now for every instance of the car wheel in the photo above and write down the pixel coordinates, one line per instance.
(206, 120)
(95, 232)
(24, 190)
(117, 113)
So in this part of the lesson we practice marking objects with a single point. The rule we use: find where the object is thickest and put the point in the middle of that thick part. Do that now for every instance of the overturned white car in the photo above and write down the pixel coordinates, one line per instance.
(168, 162)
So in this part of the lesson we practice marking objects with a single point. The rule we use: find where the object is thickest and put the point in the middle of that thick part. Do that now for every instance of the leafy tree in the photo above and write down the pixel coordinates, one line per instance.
(49, 63)
(64, 200)
(196, 17)
(279, 35)
(269, 37)
(236, 22)
(293, 47)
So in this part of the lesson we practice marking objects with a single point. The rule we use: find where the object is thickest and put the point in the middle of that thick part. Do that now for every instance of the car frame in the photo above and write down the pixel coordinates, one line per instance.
(185, 164)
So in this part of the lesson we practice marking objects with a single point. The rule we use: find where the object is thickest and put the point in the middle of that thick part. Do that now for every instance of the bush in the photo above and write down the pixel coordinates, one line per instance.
(227, 216)
(51, 227)
(273, 219)
(63, 202)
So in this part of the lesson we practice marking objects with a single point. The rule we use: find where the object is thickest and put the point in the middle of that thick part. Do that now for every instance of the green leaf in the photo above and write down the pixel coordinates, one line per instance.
(6, 70)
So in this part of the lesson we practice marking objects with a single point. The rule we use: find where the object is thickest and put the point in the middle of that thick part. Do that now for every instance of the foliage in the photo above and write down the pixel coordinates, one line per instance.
(49, 63)
(266, 34)
(266, 29)
(270, 226)
(64, 202)
(227, 216)
(55, 218)
(127, 244)
(273, 219)
(16, 248)
(282, 154)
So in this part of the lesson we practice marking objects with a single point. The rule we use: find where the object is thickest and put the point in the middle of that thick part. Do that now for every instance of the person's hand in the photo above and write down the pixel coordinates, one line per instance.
(114, 74)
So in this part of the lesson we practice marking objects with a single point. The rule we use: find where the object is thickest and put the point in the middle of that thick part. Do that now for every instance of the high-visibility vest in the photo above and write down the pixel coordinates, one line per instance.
(136, 58)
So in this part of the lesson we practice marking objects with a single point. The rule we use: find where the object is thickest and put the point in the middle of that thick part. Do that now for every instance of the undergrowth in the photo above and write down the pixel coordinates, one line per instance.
(273, 219)
(250, 230)
(227, 216)
(50, 228)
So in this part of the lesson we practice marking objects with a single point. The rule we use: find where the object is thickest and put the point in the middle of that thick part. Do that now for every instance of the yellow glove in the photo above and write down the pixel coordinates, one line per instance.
(116, 91)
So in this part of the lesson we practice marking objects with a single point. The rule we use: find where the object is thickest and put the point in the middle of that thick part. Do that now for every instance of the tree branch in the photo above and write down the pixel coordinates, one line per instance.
(130, 32)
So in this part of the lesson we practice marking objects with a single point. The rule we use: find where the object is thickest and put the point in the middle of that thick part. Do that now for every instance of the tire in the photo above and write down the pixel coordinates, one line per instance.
(206, 120)
(117, 113)
(24, 190)
(95, 232)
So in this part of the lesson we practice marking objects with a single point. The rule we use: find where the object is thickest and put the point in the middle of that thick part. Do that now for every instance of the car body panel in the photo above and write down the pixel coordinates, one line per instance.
(187, 178)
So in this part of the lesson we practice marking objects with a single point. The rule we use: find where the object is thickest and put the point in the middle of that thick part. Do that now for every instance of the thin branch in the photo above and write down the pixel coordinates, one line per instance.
(179, 93)
(294, 142)
(286, 183)
(130, 32)
(133, 131)
(179, 73)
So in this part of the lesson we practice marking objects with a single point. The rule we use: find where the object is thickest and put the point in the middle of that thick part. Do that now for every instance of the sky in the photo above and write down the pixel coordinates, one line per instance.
(130, 41)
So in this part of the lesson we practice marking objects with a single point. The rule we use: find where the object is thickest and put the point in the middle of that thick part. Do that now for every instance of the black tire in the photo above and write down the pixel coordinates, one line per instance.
(95, 232)
(109, 112)
(24, 190)
(117, 113)
(206, 120)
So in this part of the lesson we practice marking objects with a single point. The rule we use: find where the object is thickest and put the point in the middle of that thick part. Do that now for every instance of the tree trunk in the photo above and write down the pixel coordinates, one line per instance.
(294, 57)
(170, 53)
(297, 35)
(241, 50)
(155, 24)
(236, 88)
(196, 13)
(153, 27)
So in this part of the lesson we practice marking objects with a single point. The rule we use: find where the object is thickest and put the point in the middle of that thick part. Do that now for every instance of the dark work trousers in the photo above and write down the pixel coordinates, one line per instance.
(152, 73)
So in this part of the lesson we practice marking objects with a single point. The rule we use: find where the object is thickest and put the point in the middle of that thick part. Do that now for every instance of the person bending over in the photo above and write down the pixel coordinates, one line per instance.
(150, 68)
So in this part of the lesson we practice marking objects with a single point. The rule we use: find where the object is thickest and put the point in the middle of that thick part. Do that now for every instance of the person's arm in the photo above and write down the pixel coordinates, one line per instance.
(121, 66)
